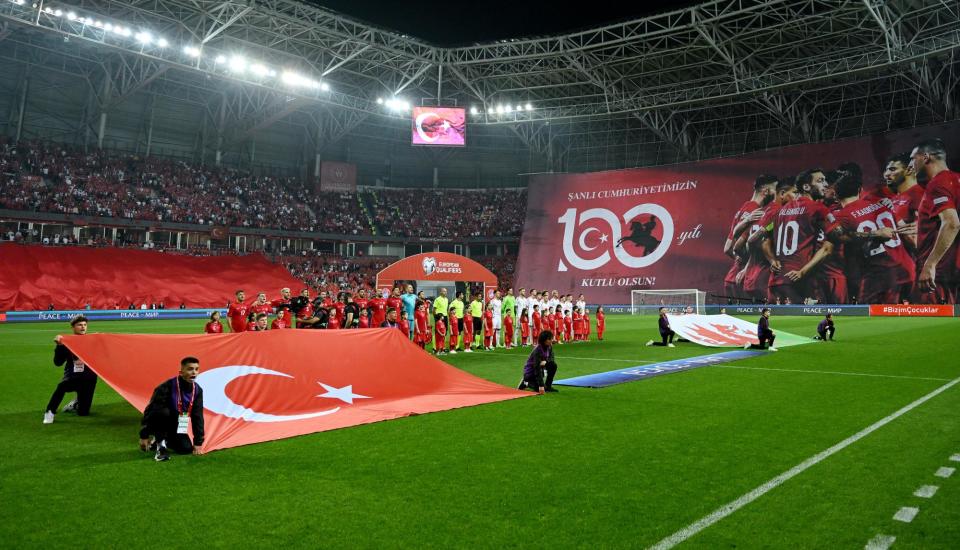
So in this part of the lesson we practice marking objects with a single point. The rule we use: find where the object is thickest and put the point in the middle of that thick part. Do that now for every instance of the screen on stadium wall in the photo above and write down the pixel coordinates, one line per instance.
(439, 126)
(604, 234)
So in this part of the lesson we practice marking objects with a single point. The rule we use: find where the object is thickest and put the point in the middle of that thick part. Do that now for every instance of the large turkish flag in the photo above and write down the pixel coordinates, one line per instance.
(271, 385)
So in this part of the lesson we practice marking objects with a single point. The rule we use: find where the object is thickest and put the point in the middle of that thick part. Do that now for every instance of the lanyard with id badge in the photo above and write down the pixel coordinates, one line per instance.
(183, 417)
(78, 366)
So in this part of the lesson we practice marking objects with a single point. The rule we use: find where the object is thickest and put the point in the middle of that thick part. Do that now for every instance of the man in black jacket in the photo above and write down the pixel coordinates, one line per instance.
(764, 334)
(176, 404)
(77, 377)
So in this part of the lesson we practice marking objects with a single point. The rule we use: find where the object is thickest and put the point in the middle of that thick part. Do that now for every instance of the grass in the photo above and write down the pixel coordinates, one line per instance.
(623, 466)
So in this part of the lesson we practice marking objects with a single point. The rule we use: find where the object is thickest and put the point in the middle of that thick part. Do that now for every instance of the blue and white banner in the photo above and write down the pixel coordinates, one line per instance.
(643, 372)
(108, 315)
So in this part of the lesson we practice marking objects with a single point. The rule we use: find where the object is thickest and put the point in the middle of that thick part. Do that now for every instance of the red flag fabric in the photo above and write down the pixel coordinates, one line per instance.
(277, 384)
(72, 276)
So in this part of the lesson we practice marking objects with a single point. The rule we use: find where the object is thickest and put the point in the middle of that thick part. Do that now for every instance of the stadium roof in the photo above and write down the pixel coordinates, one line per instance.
(450, 24)
(718, 78)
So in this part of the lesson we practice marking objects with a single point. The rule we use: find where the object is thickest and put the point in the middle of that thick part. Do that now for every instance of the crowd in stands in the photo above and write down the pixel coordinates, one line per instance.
(449, 214)
(47, 177)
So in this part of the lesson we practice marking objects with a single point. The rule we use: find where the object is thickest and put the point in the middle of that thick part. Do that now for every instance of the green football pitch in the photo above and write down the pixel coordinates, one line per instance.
(693, 455)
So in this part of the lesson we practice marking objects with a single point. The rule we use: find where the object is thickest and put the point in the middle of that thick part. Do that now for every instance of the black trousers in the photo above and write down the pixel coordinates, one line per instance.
(84, 388)
(162, 425)
(823, 333)
(533, 381)
(667, 337)
(765, 340)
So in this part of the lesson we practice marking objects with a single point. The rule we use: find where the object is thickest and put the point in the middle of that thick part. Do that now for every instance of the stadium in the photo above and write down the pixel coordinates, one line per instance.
(325, 273)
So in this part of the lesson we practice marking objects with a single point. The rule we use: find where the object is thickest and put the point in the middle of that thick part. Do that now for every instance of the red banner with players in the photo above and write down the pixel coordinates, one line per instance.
(277, 384)
(604, 234)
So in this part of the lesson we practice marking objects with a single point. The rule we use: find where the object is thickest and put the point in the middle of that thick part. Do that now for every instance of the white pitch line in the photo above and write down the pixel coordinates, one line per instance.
(732, 506)
(955, 458)
(837, 373)
(945, 472)
(926, 491)
(880, 542)
(906, 514)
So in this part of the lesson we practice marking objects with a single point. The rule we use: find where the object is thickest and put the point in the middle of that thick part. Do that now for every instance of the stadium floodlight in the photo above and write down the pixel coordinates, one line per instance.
(98, 24)
(499, 109)
(58, 13)
(508, 108)
(191, 51)
(48, 10)
(474, 111)
(238, 64)
(529, 107)
(162, 43)
(71, 16)
(258, 69)
(144, 38)
(324, 87)
(221, 59)
(379, 101)
(19, 2)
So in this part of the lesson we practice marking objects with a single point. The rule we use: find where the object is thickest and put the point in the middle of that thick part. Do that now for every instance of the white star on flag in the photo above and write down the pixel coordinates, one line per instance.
(344, 394)
(603, 238)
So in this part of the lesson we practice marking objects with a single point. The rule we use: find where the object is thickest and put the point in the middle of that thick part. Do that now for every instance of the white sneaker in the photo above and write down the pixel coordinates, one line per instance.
(48, 417)
(70, 407)
(649, 342)
(453, 352)
(773, 349)
(671, 346)
(468, 350)
(746, 346)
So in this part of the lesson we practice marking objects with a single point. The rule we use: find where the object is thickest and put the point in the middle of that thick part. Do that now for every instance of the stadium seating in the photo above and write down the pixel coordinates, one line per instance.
(47, 177)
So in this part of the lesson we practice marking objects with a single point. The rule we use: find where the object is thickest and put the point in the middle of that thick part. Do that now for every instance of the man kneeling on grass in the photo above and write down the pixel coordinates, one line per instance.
(764, 334)
(541, 359)
(666, 333)
(176, 405)
(825, 329)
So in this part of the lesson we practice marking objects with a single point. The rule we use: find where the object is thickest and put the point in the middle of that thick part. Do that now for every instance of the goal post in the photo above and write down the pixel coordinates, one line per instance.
(649, 302)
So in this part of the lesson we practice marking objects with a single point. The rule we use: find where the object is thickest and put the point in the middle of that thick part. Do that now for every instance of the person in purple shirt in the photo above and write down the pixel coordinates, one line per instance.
(666, 333)
(540, 360)
(764, 334)
(825, 329)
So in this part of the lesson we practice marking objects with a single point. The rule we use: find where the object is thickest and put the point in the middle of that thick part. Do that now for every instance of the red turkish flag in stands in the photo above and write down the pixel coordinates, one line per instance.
(261, 386)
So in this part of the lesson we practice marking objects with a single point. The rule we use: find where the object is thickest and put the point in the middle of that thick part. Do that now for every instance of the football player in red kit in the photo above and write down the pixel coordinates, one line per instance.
(755, 275)
(906, 203)
(261, 305)
(237, 313)
(568, 326)
(938, 226)
(364, 321)
(577, 325)
(284, 303)
(558, 325)
(361, 301)
(601, 323)
(340, 306)
(378, 310)
(888, 271)
(394, 301)
(422, 334)
(745, 219)
(508, 331)
(524, 327)
(790, 244)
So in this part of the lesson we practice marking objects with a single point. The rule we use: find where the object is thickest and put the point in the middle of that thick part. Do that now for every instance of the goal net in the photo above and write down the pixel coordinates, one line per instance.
(649, 302)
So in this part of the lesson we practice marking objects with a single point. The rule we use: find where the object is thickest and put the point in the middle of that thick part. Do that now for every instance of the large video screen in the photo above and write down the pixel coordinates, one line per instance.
(439, 126)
